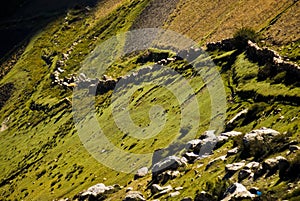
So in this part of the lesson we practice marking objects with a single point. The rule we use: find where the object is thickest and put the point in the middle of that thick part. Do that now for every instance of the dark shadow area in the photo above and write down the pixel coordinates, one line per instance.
(20, 19)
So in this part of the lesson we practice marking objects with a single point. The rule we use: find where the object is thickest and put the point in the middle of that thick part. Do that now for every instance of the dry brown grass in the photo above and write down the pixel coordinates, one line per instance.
(105, 7)
(214, 20)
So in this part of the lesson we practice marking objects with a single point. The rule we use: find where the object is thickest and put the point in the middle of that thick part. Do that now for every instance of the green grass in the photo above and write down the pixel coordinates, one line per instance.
(42, 157)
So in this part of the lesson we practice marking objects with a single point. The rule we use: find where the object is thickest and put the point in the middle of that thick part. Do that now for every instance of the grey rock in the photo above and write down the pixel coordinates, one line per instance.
(294, 148)
(141, 172)
(169, 163)
(160, 191)
(237, 117)
(231, 134)
(190, 156)
(178, 188)
(174, 194)
(234, 167)
(259, 135)
(237, 191)
(191, 145)
(167, 175)
(232, 151)
(273, 164)
(97, 191)
(155, 188)
(252, 165)
(129, 189)
(134, 196)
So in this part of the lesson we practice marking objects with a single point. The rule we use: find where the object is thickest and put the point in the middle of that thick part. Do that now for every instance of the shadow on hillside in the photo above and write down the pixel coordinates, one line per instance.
(20, 19)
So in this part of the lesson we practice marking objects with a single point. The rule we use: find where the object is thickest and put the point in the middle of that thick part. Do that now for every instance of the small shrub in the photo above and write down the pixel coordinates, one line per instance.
(244, 34)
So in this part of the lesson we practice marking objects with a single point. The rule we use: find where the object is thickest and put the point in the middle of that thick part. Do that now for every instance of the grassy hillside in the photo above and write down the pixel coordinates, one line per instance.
(42, 157)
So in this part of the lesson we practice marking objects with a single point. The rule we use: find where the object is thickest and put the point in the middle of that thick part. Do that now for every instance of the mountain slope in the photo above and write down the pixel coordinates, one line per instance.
(42, 157)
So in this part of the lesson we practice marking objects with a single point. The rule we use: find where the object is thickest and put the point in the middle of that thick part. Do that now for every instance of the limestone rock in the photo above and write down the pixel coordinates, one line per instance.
(134, 196)
(234, 167)
(159, 191)
(141, 172)
(237, 191)
(97, 191)
(259, 135)
(231, 134)
(174, 194)
(190, 156)
(232, 151)
(169, 163)
(187, 199)
(294, 148)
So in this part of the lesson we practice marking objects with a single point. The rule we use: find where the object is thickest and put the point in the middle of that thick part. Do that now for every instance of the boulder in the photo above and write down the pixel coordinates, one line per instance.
(134, 196)
(231, 134)
(204, 145)
(234, 167)
(221, 140)
(178, 188)
(272, 164)
(252, 165)
(232, 151)
(190, 156)
(294, 148)
(174, 194)
(160, 191)
(237, 191)
(187, 199)
(191, 145)
(141, 172)
(129, 189)
(169, 163)
(259, 135)
(96, 192)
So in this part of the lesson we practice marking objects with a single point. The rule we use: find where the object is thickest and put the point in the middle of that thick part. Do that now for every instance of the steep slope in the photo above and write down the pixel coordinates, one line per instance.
(42, 157)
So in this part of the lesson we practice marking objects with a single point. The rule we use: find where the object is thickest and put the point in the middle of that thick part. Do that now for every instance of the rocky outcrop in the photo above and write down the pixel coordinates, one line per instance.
(266, 55)
(225, 45)
(262, 135)
(96, 192)
(272, 164)
(255, 53)
(237, 191)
